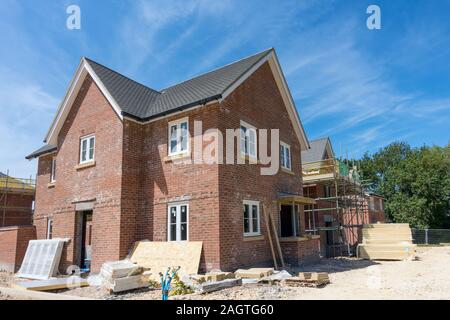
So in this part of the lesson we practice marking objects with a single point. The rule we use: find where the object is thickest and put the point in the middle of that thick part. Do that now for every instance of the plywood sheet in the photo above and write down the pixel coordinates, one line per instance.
(51, 284)
(41, 259)
(159, 255)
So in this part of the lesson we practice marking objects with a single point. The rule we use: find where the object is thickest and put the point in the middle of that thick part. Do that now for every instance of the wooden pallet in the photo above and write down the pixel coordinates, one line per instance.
(297, 282)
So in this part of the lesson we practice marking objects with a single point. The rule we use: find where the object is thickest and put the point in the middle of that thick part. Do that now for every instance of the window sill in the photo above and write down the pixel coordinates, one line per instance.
(288, 171)
(177, 157)
(85, 165)
(250, 159)
(256, 237)
(51, 184)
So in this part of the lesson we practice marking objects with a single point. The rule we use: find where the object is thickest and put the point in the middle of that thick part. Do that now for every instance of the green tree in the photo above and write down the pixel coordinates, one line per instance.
(414, 182)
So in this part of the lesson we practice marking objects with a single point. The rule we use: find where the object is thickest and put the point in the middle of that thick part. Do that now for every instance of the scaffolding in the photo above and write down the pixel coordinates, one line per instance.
(345, 202)
(10, 186)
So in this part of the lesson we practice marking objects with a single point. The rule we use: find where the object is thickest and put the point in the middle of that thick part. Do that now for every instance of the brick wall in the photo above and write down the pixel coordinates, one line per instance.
(301, 251)
(166, 181)
(258, 102)
(90, 113)
(13, 245)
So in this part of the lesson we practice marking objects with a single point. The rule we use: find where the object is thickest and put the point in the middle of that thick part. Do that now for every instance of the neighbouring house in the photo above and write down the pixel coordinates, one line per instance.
(16, 220)
(341, 203)
(113, 170)
(16, 201)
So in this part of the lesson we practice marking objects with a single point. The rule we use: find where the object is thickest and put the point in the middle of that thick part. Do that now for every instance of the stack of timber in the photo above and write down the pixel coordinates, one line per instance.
(212, 276)
(253, 273)
(307, 279)
(119, 276)
(386, 241)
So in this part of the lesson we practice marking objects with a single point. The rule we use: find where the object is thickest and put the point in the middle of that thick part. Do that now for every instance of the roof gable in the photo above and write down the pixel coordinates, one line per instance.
(318, 151)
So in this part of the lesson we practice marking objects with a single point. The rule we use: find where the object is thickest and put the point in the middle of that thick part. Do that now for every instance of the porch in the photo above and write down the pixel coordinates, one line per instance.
(296, 245)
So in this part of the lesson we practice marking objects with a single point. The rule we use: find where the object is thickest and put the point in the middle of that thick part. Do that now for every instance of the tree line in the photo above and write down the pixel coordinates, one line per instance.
(415, 183)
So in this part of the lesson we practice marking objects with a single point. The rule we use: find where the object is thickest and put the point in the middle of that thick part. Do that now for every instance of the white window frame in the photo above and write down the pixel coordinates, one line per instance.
(53, 170)
(87, 139)
(248, 128)
(49, 226)
(178, 222)
(283, 148)
(251, 203)
(178, 123)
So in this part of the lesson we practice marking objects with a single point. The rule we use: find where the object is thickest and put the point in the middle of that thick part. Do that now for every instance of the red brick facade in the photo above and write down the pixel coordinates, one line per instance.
(133, 180)
(13, 245)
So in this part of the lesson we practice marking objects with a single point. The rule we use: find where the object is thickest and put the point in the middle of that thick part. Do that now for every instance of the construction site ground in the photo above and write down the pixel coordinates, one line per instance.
(425, 277)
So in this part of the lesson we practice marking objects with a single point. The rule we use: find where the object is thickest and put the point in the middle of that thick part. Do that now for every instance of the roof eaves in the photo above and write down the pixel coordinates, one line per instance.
(39, 153)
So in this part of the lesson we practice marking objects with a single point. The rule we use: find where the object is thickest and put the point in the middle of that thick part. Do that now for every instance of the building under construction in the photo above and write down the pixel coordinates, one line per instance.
(341, 203)
(16, 201)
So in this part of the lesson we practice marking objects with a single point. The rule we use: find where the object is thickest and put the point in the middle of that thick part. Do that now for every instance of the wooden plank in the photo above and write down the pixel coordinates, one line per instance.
(219, 285)
(38, 295)
(272, 249)
(119, 269)
(297, 282)
(51, 284)
(253, 273)
(218, 276)
(277, 241)
(158, 256)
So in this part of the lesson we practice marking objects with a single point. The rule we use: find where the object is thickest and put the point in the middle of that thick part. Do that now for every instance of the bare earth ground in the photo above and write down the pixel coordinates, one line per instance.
(425, 278)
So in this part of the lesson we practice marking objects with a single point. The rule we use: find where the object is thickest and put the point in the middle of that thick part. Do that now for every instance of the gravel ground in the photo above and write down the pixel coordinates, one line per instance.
(427, 277)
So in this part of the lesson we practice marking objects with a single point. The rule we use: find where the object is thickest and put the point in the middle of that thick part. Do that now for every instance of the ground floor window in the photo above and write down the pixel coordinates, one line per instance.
(251, 218)
(178, 222)
(289, 220)
(49, 228)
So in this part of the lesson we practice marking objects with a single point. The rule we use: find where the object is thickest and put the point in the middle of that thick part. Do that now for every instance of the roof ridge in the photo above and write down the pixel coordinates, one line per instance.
(128, 78)
(218, 68)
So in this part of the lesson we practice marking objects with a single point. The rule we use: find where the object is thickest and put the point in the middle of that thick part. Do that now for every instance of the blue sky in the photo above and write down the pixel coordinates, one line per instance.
(363, 88)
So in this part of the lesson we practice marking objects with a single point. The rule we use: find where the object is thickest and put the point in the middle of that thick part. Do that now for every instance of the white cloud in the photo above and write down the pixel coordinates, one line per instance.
(26, 111)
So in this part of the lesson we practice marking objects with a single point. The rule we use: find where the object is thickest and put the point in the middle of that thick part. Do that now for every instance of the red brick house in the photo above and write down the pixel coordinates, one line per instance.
(16, 201)
(109, 173)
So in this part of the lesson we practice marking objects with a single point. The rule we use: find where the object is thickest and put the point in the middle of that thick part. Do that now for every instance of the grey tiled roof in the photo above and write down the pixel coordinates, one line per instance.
(316, 152)
(143, 103)
(132, 97)
(42, 150)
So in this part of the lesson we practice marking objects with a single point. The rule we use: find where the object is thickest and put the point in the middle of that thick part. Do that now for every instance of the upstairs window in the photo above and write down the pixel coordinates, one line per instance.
(87, 149)
(285, 156)
(178, 136)
(53, 172)
(248, 140)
